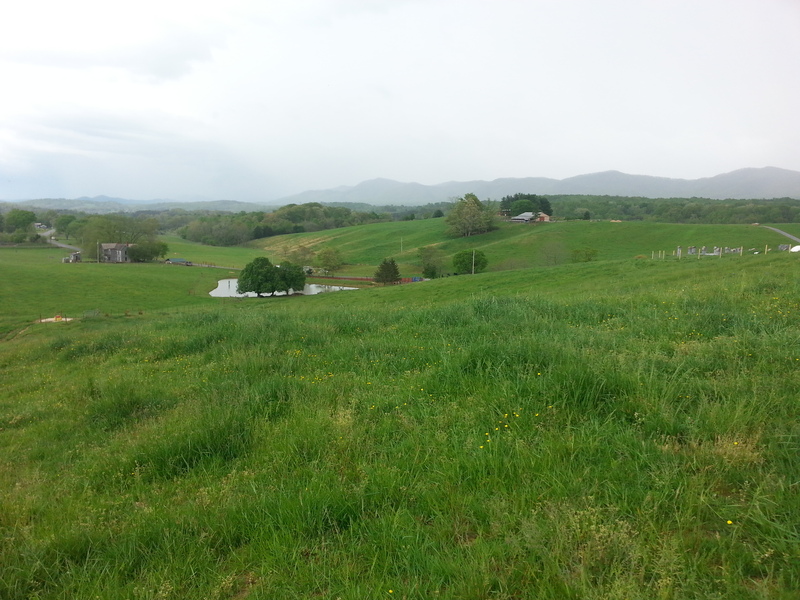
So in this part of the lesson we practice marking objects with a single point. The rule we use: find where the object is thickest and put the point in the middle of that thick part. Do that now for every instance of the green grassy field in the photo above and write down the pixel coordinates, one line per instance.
(790, 228)
(236, 257)
(36, 284)
(517, 246)
(620, 429)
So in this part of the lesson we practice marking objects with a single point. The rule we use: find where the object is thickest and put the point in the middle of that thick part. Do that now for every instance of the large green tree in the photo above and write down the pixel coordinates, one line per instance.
(291, 277)
(114, 229)
(329, 260)
(63, 222)
(388, 272)
(18, 219)
(470, 216)
(469, 261)
(259, 276)
(262, 277)
(146, 250)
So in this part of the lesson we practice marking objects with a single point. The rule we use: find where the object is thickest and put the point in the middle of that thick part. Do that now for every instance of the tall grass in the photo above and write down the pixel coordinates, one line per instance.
(590, 431)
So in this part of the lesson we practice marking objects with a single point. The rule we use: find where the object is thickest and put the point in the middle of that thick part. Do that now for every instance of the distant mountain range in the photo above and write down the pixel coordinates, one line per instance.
(743, 184)
(107, 204)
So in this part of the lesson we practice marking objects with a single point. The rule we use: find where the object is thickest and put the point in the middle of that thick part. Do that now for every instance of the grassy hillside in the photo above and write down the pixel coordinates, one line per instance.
(235, 256)
(790, 228)
(36, 284)
(518, 246)
(623, 429)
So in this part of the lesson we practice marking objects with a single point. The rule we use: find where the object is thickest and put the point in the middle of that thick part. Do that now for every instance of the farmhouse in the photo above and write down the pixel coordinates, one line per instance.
(114, 253)
(527, 217)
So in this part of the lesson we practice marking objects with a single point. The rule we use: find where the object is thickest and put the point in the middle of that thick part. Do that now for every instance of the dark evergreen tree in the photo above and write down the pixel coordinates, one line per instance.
(387, 272)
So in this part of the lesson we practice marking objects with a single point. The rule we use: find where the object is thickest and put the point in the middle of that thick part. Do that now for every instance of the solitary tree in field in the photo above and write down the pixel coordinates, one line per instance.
(329, 260)
(431, 258)
(259, 276)
(470, 216)
(387, 272)
(469, 261)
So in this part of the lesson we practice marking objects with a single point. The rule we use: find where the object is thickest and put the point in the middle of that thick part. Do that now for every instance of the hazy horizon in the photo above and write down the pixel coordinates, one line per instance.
(257, 101)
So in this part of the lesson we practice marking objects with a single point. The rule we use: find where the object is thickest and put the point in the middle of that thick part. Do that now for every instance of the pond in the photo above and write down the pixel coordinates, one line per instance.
(226, 288)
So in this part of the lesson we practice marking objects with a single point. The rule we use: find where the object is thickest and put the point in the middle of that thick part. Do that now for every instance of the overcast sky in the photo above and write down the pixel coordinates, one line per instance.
(257, 99)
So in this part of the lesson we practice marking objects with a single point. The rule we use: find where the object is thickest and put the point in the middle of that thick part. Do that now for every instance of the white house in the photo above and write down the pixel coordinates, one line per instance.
(115, 253)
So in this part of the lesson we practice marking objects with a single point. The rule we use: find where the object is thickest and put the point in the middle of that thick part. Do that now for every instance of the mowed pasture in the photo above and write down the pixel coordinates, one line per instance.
(235, 256)
(515, 245)
(36, 284)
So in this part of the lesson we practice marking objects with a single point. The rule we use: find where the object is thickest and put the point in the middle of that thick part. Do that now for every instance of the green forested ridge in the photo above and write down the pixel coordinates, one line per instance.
(625, 428)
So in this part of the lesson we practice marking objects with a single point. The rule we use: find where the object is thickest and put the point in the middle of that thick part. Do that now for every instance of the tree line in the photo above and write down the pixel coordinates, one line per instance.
(677, 210)
(232, 229)
(465, 216)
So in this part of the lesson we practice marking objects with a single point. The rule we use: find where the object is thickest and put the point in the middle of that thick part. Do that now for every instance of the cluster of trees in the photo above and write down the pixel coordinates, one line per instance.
(264, 278)
(89, 231)
(147, 250)
(232, 229)
(394, 212)
(17, 226)
(17, 219)
(678, 210)
(520, 203)
(469, 216)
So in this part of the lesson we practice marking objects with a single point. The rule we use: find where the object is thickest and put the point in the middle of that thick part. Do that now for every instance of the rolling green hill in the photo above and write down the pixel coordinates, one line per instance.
(617, 429)
(517, 246)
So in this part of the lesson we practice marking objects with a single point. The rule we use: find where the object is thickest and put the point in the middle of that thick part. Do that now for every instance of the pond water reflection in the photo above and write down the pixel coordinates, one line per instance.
(226, 288)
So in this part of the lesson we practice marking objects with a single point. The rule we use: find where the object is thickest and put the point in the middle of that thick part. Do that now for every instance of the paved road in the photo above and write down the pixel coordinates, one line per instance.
(789, 235)
(46, 235)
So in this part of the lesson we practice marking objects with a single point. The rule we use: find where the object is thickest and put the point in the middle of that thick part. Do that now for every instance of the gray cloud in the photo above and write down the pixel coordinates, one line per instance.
(270, 98)
(171, 55)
